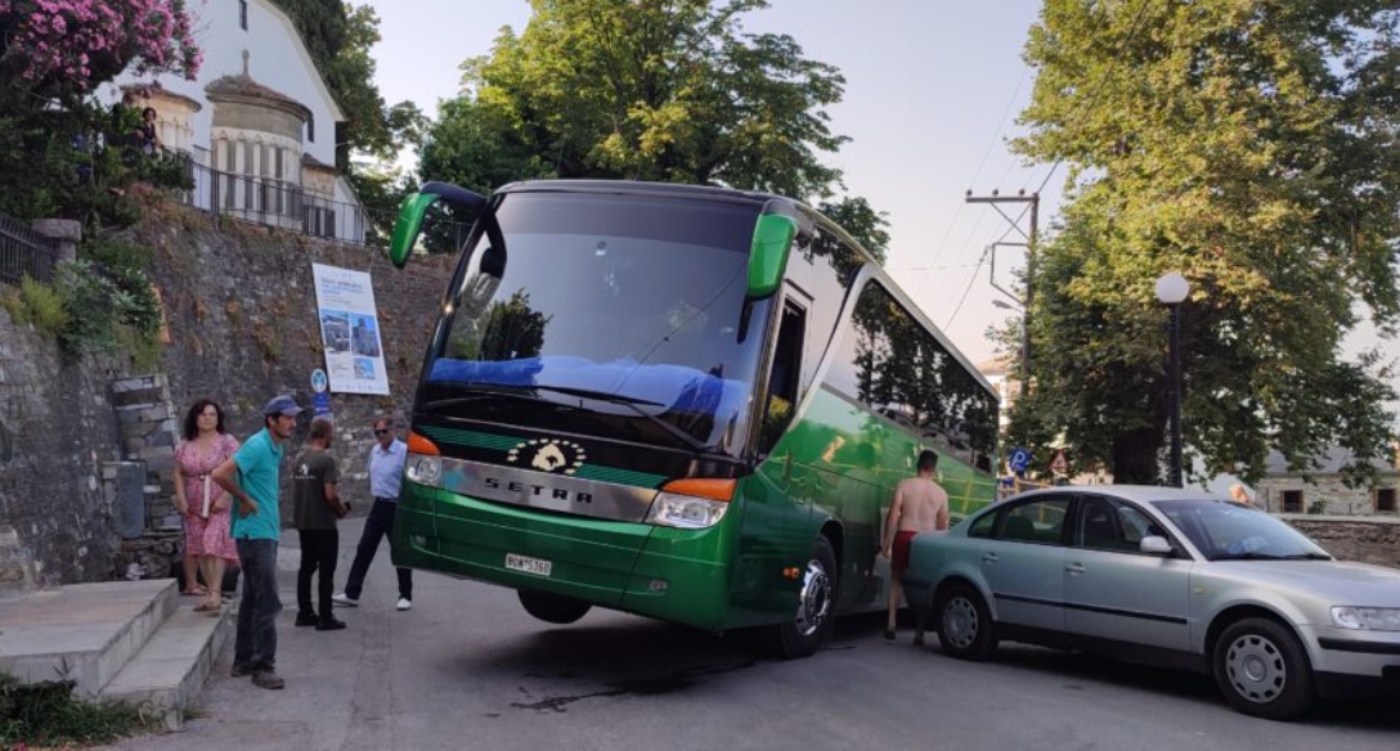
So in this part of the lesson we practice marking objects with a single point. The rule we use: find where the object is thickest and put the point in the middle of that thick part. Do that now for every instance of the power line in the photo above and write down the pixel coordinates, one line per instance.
(966, 290)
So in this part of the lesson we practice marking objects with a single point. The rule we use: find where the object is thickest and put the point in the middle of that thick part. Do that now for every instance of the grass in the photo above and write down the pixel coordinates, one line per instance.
(46, 714)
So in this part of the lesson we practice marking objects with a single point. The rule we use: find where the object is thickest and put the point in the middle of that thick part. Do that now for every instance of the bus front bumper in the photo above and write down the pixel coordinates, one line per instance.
(671, 574)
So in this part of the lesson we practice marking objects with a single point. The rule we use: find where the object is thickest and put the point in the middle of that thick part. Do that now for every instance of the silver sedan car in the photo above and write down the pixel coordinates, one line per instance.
(1166, 577)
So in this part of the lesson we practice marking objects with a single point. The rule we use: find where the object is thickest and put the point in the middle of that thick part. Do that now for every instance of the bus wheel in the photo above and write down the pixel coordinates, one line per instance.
(553, 608)
(816, 606)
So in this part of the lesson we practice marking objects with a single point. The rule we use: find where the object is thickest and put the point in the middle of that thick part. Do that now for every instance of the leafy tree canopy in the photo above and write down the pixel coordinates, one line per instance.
(663, 90)
(339, 37)
(1253, 146)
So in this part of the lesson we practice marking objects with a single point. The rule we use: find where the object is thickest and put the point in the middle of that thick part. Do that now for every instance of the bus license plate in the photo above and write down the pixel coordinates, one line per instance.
(536, 566)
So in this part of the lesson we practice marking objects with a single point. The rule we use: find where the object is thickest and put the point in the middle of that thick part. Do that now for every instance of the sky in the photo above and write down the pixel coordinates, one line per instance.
(933, 88)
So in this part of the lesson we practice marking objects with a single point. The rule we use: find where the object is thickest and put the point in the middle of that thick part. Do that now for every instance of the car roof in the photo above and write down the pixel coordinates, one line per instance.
(1139, 493)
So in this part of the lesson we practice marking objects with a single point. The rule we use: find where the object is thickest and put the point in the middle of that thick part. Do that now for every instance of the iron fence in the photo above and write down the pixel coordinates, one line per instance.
(24, 252)
(274, 203)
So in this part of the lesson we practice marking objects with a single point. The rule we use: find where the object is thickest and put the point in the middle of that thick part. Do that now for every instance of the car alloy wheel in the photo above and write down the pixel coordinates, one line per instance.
(961, 622)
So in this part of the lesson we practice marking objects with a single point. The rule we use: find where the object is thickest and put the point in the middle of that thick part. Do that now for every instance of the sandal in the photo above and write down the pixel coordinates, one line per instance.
(207, 607)
(195, 591)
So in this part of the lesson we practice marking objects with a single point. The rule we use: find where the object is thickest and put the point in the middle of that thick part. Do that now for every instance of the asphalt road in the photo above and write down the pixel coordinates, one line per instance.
(468, 669)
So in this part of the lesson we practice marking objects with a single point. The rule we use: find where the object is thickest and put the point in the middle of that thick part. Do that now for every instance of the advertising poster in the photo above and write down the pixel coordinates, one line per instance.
(350, 331)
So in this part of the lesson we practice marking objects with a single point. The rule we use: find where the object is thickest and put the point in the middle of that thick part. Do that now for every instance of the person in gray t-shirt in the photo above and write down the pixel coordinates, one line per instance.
(317, 507)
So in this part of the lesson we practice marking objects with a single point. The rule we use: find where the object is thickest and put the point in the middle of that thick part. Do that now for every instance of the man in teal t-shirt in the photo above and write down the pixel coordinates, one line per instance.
(251, 478)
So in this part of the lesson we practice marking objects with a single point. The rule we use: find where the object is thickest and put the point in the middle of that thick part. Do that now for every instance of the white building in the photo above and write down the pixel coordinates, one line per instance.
(259, 122)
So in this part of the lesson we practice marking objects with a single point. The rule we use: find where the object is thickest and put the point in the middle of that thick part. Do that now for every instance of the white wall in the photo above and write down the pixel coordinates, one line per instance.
(277, 60)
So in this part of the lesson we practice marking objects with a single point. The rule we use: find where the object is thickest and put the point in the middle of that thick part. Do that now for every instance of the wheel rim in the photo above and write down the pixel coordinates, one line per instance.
(1256, 668)
(815, 604)
(961, 622)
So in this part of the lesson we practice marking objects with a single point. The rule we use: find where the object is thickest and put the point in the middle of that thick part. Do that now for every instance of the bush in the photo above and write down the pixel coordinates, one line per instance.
(36, 303)
(47, 714)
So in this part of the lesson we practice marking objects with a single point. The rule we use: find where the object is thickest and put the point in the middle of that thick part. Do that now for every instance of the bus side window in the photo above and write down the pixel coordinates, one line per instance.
(784, 378)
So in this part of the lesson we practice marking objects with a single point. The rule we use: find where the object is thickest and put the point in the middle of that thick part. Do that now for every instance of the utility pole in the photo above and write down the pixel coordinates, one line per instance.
(1033, 205)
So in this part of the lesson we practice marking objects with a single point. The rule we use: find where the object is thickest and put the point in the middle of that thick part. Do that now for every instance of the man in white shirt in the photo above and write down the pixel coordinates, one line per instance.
(386, 460)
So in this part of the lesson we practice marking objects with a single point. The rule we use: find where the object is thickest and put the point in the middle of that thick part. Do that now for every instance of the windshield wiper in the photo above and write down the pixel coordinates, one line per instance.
(1252, 556)
(635, 405)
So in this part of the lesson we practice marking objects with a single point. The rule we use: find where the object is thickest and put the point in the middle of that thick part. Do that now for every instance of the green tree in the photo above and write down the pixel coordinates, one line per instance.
(340, 37)
(1253, 147)
(664, 90)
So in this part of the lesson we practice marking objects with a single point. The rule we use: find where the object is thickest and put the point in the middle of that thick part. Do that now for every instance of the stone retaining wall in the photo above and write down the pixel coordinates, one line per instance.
(1366, 540)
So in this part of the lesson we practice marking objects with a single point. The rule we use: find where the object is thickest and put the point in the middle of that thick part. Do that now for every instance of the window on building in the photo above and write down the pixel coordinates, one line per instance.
(1292, 501)
(310, 127)
(243, 14)
(1385, 499)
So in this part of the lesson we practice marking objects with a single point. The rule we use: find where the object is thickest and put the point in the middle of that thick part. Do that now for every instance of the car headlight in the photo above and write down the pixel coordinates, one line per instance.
(1369, 619)
(685, 512)
(424, 470)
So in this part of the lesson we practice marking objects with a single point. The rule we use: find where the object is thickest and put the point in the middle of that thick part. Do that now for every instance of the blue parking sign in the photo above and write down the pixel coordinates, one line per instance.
(1020, 459)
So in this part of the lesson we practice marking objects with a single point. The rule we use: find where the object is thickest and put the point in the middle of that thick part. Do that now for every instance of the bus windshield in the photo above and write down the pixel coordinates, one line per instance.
(610, 315)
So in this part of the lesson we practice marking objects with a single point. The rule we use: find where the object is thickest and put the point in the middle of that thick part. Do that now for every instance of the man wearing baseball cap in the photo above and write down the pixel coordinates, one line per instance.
(251, 478)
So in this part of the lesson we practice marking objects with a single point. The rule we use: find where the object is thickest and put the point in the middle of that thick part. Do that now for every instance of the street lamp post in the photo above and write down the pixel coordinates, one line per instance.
(1172, 290)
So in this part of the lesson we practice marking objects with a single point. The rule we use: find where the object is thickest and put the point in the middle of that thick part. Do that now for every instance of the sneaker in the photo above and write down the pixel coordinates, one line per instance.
(330, 624)
(240, 669)
(405, 603)
(307, 619)
(268, 679)
(346, 600)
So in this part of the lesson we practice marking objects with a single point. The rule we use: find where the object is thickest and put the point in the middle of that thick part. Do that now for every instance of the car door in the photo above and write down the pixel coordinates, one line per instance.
(1023, 562)
(1114, 591)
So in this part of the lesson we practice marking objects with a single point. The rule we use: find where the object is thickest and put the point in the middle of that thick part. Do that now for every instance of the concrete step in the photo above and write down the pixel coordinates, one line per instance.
(82, 632)
(164, 678)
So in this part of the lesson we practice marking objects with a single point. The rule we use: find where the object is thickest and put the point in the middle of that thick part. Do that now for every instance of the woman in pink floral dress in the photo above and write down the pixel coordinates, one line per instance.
(203, 504)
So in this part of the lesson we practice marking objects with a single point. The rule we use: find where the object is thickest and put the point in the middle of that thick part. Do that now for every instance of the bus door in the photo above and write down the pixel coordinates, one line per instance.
(777, 503)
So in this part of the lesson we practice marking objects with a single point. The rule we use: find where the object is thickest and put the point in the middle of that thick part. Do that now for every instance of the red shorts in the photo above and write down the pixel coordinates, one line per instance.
(899, 552)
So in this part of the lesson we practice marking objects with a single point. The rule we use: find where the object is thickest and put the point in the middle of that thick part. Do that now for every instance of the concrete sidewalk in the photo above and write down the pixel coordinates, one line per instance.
(323, 670)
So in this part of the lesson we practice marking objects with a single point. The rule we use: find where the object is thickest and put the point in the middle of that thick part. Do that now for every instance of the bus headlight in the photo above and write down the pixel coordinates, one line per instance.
(685, 512)
(424, 470)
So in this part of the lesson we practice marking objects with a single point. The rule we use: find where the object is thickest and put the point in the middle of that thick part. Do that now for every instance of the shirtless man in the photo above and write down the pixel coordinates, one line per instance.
(920, 505)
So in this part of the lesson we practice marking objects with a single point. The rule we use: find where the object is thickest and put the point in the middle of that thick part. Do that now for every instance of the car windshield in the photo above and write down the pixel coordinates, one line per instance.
(1224, 531)
(608, 315)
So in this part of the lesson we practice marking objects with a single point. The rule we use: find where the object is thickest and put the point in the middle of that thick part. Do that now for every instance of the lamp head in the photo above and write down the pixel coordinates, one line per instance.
(1173, 288)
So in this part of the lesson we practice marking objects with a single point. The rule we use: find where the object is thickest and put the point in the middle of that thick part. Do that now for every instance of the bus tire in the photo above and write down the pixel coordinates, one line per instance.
(811, 625)
(553, 608)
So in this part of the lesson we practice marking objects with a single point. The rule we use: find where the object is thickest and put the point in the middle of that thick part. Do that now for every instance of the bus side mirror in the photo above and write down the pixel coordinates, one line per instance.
(415, 207)
(768, 253)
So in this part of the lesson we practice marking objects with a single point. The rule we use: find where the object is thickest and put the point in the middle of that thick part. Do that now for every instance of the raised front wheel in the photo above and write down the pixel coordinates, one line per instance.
(553, 608)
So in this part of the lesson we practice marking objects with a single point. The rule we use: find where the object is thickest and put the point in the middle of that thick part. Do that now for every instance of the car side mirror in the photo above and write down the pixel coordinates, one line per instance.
(1156, 545)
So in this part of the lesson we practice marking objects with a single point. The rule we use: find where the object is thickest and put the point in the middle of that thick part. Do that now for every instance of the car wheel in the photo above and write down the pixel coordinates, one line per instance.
(816, 605)
(964, 623)
(553, 608)
(1263, 670)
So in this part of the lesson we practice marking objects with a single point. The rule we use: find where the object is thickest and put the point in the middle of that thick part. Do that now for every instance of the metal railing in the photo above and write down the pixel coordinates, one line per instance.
(24, 252)
(274, 203)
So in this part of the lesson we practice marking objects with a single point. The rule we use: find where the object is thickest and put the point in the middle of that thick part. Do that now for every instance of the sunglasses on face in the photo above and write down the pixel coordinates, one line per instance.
(380, 431)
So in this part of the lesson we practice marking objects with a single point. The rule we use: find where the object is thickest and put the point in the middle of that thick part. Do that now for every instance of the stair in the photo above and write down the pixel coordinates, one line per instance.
(124, 641)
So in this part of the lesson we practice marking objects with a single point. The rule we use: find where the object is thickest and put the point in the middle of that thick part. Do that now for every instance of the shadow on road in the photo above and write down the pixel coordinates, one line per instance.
(1080, 671)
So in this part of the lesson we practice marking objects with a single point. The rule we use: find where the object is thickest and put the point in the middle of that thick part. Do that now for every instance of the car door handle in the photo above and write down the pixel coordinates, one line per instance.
(1075, 568)
(990, 558)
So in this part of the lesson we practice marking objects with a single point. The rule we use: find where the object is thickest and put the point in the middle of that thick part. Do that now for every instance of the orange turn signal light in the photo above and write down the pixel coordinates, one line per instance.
(703, 487)
(417, 444)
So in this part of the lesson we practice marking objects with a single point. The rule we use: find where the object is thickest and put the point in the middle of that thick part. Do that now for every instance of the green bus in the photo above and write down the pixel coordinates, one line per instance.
(689, 403)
